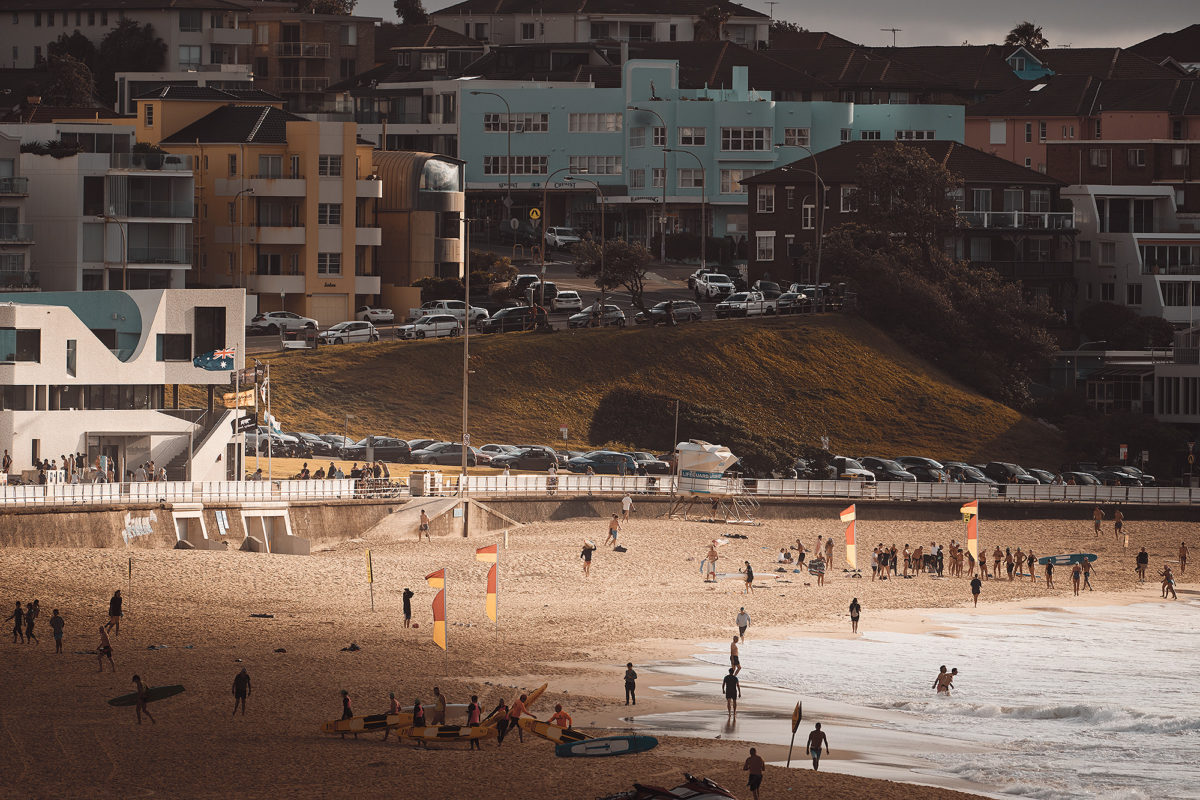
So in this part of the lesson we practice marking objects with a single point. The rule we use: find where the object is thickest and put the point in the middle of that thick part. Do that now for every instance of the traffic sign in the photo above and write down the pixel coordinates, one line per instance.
(507, 201)
(1124, 451)
(514, 223)
(243, 424)
(535, 213)
(563, 430)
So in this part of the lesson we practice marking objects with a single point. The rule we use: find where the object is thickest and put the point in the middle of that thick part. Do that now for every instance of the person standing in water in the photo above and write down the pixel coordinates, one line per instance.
(732, 688)
(976, 587)
(944, 682)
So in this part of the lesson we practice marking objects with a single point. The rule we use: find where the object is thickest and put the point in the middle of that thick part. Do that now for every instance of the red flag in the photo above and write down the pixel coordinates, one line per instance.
(438, 581)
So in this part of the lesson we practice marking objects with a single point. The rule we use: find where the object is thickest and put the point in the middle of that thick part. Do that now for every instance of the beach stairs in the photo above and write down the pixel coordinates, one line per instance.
(448, 516)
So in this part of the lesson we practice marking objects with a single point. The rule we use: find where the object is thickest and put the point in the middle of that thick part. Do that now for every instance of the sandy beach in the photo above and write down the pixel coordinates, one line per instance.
(647, 606)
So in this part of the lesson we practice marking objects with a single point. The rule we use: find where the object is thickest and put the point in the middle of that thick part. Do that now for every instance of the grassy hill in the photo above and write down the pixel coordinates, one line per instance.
(793, 378)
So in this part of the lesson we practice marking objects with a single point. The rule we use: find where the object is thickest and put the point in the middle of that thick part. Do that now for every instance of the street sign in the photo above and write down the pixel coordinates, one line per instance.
(243, 424)
(824, 442)
(514, 223)
(535, 213)
(467, 439)
(507, 201)
(1124, 451)
(1145, 457)
(563, 430)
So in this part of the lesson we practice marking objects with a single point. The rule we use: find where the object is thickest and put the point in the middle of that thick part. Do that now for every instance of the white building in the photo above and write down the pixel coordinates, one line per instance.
(98, 373)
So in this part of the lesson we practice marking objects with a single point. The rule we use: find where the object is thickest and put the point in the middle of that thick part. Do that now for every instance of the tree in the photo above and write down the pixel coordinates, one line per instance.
(341, 7)
(1122, 328)
(76, 46)
(710, 27)
(129, 47)
(71, 83)
(1027, 35)
(411, 12)
(624, 264)
(904, 191)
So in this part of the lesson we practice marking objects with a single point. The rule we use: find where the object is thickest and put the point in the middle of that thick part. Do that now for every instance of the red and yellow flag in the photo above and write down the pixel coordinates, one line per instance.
(438, 581)
(491, 593)
(491, 555)
(971, 512)
(849, 514)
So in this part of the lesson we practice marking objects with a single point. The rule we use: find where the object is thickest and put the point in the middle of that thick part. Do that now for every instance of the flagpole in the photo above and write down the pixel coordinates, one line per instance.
(498, 548)
(239, 472)
(270, 426)
(256, 467)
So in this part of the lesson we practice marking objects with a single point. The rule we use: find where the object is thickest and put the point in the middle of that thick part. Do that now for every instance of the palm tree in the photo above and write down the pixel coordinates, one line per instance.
(1027, 35)
(711, 25)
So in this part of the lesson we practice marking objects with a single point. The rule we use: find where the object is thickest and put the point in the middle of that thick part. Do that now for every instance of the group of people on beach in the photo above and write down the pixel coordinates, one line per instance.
(24, 621)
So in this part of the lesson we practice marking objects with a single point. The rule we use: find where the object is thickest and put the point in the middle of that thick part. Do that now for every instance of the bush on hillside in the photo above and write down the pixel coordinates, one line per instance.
(1122, 328)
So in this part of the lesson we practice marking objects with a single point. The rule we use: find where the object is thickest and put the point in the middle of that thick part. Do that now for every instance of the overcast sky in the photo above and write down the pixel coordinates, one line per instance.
(1096, 23)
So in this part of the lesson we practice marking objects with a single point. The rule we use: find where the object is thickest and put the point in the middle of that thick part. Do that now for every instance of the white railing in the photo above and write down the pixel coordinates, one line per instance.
(436, 484)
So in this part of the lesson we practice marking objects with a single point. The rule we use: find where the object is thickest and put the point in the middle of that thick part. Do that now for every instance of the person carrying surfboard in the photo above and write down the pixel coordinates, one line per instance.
(140, 705)
(474, 711)
(560, 718)
(515, 712)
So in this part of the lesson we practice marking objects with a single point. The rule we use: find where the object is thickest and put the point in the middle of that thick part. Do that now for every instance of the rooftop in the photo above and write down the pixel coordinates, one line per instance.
(241, 124)
(1079, 95)
(648, 7)
(207, 93)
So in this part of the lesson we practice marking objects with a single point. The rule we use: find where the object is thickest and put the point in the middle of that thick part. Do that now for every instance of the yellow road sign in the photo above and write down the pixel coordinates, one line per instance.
(535, 213)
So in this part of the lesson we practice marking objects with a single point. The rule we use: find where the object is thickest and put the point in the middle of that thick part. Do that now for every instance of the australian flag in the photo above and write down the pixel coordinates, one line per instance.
(215, 361)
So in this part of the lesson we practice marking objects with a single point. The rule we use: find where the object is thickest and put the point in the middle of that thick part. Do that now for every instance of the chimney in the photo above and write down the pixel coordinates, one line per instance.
(741, 81)
(624, 51)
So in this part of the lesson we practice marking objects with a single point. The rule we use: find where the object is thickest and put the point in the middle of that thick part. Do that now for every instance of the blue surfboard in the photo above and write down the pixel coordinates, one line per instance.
(605, 746)
(1067, 559)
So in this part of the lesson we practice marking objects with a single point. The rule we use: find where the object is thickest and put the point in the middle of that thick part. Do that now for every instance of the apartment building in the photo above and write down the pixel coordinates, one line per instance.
(286, 207)
(17, 269)
(1009, 218)
(541, 21)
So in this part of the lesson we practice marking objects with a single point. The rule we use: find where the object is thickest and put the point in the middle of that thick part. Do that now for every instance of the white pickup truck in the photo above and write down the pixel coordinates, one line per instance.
(452, 307)
(745, 304)
(712, 285)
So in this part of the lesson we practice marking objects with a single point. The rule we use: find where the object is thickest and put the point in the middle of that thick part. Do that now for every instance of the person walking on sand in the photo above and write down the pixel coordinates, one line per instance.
(1118, 524)
(755, 766)
(104, 650)
(855, 612)
(749, 579)
(1097, 518)
(1050, 574)
(393, 709)
(614, 528)
(407, 596)
(733, 690)
(626, 507)
(423, 528)
(997, 557)
(30, 618)
(1143, 561)
(735, 663)
(439, 707)
(589, 547)
(1183, 556)
(1076, 574)
(142, 692)
(474, 712)
(630, 685)
(1087, 573)
(1032, 560)
(976, 587)
(56, 626)
(114, 613)
(500, 712)
(711, 559)
(1168, 582)
(515, 712)
(815, 740)
(347, 710)
(743, 622)
(241, 690)
(829, 553)
(18, 621)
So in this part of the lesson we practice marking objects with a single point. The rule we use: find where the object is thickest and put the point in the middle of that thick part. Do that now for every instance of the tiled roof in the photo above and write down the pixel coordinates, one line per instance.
(124, 5)
(1110, 63)
(390, 35)
(207, 93)
(806, 40)
(974, 68)
(25, 113)
(238, 125)
(656, 7)
(1078, 95)
(841, 164)
(845, 67)
(1183, 45)
(710, 64)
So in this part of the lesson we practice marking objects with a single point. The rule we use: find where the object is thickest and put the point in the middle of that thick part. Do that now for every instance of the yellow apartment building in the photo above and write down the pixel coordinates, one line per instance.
(285, 207)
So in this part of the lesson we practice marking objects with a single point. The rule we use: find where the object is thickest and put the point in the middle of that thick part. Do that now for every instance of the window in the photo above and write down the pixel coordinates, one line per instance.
(346, 67)
(1014, 200)
(637, 179)
(927, 136)
(17, 346)
(691, 137)
(1108, 292)
(1098, 157)
(731, 180)
(37, 19)
(521, 165)
(295, 165)
(521, 123)
(595, 165)
(1180, 197)
(1137, 157)
(1108, 254)
(594, 123)
(431, 62)
(1028, 163)
(808, 216)
(981, 199)
(658, 177)
(868, 136)
(329, 166)
(329, 263)
(174, 347)
(481, 31)
(349, 35)
(599, 31)
(996, 132)
(190, 21)
(1028, 131)
(103, 17)
(1096, 132)
(637, 137)
(527, 31)
(232, 207)
(1179, 156)
(1039, 200)
(660, 137)
(795, 137)
(689, 178)
(766, 199)
(72, 356)
(270, 166)
(148, 114)
(847, 134)
(745, 139)
(849, 199)
(1084, 250)
(1178, 127)
(1175, 293)
(765, 250)
(233, 163)
(1042, 131)
(789, 194)
(1133, 294)
(189, 56)
(673, 32)
(1018, 64)
(329, 213)
(91, 18)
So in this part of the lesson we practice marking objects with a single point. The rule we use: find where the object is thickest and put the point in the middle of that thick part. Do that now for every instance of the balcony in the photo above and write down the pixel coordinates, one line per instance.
(177, 256)
(16, 233)
(368, 237)
(447, 250)
(301, 50)
(1031, 270)
(19, 281)
(236, 36)
(165, 209)
(275, 284)
(275, 235)
(368, 189)
(14, 187)
(262, 186)
(1026, 220)
(292, 85)
(366, 284)
(168, 162)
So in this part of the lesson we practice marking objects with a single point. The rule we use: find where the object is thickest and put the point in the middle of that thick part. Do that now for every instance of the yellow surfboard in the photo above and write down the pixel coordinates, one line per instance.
(529, 701)
(462, 733)
(372, 722)
(551, 732)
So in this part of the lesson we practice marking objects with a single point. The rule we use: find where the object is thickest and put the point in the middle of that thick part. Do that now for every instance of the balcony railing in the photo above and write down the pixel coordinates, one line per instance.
(163, 161)
(1043, 220)
(16, 232)
(14, 185)
(176, 209)
(1028, 270)
(16, 280)
(159, 255)
(309, 84)
(302, 50)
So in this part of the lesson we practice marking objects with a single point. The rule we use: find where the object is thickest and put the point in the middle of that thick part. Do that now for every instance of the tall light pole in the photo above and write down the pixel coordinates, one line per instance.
(466, 328)
(703, 192)
(662, 220)
(545, 218)
(241, 276)
(508, 133)
(603, 205)
(819, 216)
(110, 219)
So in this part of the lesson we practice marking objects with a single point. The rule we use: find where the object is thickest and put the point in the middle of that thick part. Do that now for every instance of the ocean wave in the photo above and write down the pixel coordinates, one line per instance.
(1117, 720)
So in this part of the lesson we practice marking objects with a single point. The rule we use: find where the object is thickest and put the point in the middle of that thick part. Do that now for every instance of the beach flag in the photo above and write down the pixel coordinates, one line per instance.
(491, 555)
(215, 360)
(971, 512)
(437, 580)
(850, 516)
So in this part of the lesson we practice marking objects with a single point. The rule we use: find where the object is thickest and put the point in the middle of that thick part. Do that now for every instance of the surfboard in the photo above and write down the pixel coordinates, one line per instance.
(1067, 559)
(462, 733)
(551, 732)
(530, 699)
(606, 746)
(153, 694)
(371, 722)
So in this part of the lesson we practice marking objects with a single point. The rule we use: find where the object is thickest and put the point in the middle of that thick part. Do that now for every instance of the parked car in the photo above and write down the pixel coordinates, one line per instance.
(378, 316)
(887, 470)
(273, 322)
(713, 285)
(604, 462)
(1002, 471)
(347, 332)
(455, 308)
(541, 293)
(652, 463)
(695, 276)
(310, 445)
(522, 318)
(444, 453)
(281, 443)
(384, 448)
(791, 303)
(337, 442)
(533, 459)
(683, 310)
(417, 444)
(965, 473)
(1044, 477)
(499, 449)
(918, 461)
(1146, 479)
(926, 474)
(1109, 478)
(561, 237)
(745, 304)
(767, 286)
(1080, 478)
(522, 281)
(848, 469)
(611, 316)
(567, 300)
(431, 327)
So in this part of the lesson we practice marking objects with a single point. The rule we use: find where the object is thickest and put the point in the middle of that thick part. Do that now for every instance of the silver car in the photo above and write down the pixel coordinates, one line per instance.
(611, 316)
(350, 331)
(431, 326)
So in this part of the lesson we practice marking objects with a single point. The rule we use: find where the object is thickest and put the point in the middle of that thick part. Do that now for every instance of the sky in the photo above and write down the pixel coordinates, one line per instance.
(1096, 23)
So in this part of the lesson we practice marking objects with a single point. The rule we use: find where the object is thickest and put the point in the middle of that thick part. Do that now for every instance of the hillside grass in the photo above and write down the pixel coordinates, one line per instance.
(795, 378)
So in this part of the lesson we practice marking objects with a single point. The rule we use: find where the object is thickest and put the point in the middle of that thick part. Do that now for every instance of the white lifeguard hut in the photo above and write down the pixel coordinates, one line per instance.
(702, 481)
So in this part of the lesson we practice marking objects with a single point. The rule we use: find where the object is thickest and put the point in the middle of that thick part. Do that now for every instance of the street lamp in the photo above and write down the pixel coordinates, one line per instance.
(466, 329)
(703, 192)
(820, 217)
(662, 220)
(508, 133)
(603, 205)
(545, 218)
(109, 218)
(237, 198)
